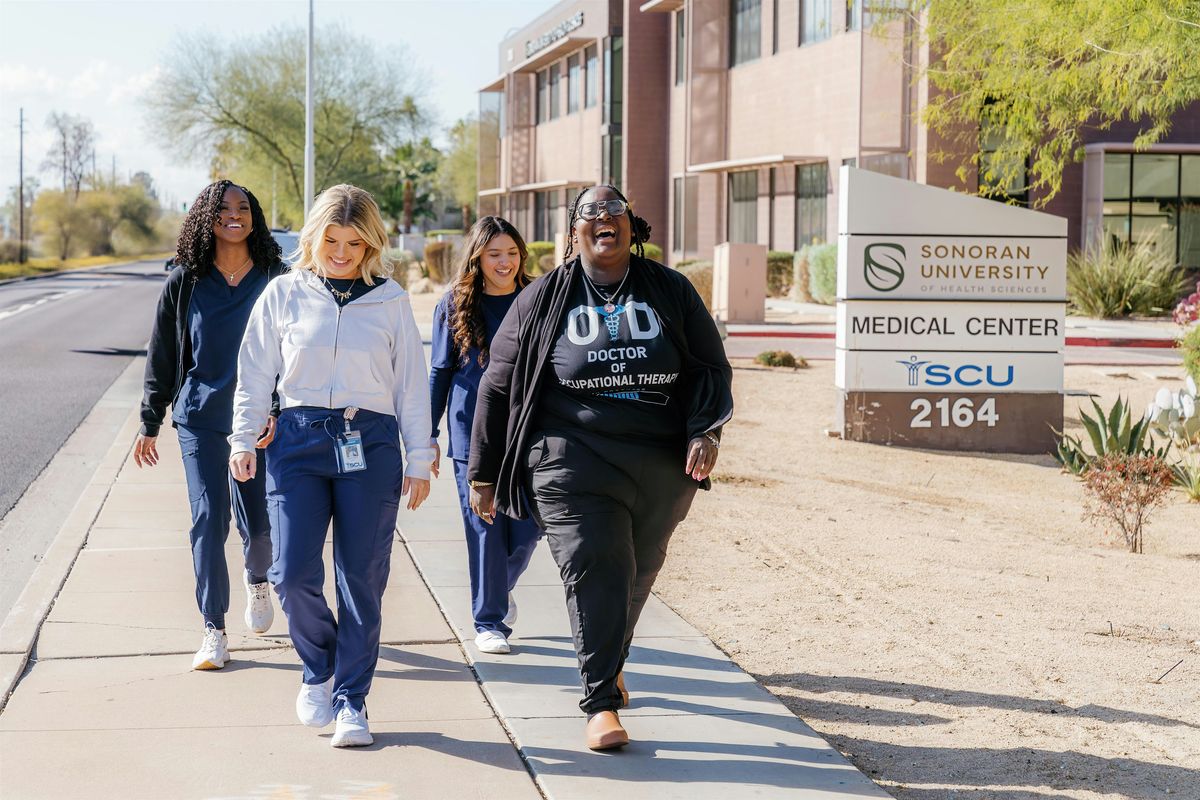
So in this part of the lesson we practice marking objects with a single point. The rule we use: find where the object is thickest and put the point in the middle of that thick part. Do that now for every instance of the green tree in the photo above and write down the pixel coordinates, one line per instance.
(240, 103)
(1043, 72)
(413, 171)
(461, 165)
(59, 219)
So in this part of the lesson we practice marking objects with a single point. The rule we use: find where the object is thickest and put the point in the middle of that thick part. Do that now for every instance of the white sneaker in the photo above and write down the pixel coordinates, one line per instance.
(314, 704)
(510, 618)
(259, 611)
(492, 642)
(352, 729)
(214, 650)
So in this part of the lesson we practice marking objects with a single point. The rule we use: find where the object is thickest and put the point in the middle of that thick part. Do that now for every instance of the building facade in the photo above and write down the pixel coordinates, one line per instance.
(727, 120)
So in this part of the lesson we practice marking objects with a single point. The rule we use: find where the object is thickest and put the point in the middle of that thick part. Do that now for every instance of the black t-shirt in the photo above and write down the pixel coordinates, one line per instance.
(613, 369)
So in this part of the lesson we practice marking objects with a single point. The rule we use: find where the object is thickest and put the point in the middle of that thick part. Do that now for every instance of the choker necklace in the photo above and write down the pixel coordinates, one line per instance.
(343, 296)
(611, 310)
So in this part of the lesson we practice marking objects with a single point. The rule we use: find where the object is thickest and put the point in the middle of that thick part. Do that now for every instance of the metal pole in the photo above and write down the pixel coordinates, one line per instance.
(21, 188)
(309, 154)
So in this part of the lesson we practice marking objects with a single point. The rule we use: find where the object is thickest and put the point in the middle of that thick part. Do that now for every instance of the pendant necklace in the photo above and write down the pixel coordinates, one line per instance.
(343, 297)
(231, 276)
(611, 310)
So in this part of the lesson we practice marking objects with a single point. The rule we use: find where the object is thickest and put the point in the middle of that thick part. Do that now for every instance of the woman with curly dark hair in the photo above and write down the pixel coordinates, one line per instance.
(224, 259)
(600, 416)
(490, 275)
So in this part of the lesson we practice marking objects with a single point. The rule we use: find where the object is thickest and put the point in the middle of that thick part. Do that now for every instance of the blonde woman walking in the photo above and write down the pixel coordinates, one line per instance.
(339, 337)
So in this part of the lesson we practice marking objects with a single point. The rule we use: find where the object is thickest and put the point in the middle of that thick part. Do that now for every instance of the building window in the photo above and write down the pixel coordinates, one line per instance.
(685, 198)
(811, 191)
(1155, 198)
(853, 14)
(592, 78)
(546, 213)
(1000, 177)
(555, 103)
(614, 71)
(680, 46)
(677, 215)
(610, 158)
(543, 96)
(771, 208)
(742, 217)
(745, 32)
(573, 84)
(816, 18)
(774, 27)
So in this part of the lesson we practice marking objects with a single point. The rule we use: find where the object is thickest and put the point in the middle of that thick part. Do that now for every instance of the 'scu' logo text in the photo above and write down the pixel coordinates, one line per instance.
(945, 375)
(882, 268)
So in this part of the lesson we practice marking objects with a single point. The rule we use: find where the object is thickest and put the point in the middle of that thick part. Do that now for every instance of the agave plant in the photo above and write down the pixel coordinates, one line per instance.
(1114, 432)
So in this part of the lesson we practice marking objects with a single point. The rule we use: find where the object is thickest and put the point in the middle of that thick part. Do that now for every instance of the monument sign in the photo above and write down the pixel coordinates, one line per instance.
(950, 318)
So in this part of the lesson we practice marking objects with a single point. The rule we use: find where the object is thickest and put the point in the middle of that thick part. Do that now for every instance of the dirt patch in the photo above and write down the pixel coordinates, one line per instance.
(948, 621)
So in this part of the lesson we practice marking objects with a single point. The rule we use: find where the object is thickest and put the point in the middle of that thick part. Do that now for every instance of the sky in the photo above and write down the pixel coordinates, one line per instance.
(96, 58)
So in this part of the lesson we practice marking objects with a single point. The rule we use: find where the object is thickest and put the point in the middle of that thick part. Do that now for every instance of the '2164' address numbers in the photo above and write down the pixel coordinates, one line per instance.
(961, 414)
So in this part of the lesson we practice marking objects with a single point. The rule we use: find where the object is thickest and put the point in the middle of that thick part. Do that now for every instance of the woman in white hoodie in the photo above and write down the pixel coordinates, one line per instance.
(337, 340)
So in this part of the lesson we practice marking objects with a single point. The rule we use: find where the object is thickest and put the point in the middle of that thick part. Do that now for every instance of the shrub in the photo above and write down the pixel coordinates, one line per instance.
(1120, 280)
(10, 251)
(1188, 310)
(1124, 489)
(780, 358)
(779, 273)
(700, 273)
(1175, 415)
(443, 232)
(439, 260)
(535, 250)
(653, 252)
(800, 277)
(1189, 345)
(822, 268)
(686, 262)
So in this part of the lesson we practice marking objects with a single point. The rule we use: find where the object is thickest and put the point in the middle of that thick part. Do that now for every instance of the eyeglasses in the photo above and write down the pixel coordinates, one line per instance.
(615, 208)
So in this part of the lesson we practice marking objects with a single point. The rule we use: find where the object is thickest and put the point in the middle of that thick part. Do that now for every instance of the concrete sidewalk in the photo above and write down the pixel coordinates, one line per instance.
(108, 706)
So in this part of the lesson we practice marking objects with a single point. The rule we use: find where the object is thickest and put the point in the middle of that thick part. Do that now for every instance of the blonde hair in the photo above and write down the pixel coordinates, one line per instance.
(352, 207)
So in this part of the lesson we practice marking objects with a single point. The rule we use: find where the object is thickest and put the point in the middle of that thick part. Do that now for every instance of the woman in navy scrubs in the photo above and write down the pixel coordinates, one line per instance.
(224, 259)
(464, 322)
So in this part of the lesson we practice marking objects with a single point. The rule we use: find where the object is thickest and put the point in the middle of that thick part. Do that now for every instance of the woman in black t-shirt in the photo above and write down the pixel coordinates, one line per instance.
(600, 414)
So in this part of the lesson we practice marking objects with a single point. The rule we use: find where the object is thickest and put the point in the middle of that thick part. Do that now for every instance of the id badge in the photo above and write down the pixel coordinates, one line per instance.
(351, 457)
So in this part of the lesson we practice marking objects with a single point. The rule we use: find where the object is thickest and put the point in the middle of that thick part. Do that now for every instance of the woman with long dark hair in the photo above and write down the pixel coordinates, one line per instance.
(490, 275)
(600, 415)
(224, 259)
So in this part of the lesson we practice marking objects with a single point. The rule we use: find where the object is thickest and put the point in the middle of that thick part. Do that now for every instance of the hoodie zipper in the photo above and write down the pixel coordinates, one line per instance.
(337, 329)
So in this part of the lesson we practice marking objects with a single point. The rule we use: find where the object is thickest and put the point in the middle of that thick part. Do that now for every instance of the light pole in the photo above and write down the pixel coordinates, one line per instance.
(309, 153)
(21, 188)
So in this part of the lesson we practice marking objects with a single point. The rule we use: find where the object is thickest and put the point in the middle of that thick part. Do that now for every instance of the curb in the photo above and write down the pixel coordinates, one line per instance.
(80, 271)
(20, 628)
(1071, 341)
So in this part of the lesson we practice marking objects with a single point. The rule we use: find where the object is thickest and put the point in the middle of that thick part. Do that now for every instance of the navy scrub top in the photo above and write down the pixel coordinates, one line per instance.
(454, 383)
(217, 320)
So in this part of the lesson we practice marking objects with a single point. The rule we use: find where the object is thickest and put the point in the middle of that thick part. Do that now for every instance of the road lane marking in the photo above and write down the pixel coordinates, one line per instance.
(12, 312)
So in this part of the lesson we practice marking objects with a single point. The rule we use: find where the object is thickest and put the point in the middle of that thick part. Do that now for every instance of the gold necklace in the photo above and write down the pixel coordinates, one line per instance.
(231, 276)
(340, 295)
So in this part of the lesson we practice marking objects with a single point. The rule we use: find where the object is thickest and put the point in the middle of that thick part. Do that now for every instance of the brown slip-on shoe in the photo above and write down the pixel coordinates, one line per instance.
(604, 731)
(624, 692)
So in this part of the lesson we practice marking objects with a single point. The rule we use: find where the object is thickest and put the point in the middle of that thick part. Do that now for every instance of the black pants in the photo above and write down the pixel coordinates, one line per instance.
(608, 508)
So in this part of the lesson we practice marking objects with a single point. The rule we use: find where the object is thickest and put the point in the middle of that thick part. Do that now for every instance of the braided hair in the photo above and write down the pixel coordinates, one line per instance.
(640, 229)
(466, 324)
(197, 242)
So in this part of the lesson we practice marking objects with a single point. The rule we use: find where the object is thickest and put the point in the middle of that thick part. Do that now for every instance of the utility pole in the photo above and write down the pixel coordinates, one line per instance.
(114, 169)
(309, 152)
(21, 188)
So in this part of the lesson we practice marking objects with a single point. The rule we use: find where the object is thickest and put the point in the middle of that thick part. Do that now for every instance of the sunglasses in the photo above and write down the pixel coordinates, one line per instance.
(615, 208)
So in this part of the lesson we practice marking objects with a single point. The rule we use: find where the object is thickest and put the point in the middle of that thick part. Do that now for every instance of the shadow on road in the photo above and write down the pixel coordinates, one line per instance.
(111, 351)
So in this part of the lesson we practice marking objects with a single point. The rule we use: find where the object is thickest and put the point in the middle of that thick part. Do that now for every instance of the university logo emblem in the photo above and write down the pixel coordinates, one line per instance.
(883, 269)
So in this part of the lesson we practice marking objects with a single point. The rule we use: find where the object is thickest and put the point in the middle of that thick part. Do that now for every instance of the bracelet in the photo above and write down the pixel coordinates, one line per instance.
(478, 484)
(713, 440)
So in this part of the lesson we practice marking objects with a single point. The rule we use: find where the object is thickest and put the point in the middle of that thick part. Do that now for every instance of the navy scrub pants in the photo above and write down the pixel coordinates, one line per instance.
(305, 491)
(211, 488)
(497, 554)
(609, 507)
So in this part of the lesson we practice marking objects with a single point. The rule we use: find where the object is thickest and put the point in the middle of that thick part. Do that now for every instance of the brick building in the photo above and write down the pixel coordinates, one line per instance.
(726, 120)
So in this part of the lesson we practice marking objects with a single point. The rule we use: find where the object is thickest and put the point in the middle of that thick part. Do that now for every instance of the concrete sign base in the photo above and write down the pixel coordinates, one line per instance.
(981, 422)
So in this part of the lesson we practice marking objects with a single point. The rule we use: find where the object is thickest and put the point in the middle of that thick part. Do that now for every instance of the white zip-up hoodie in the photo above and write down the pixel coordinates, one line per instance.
(366, 354)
